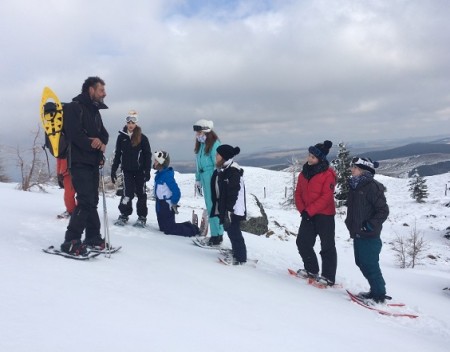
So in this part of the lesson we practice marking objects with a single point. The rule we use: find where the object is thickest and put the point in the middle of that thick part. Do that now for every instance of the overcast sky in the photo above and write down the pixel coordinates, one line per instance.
(269, 73)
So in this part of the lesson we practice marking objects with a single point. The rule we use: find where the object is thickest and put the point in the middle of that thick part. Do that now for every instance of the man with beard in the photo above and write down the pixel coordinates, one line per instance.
(88, 137)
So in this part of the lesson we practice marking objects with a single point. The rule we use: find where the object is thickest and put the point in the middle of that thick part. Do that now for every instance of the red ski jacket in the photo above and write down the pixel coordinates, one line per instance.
(316, 195)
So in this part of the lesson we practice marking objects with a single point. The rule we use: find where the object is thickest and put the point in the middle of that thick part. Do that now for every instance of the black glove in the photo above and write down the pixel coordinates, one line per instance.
(227, 220)
(147, 176)
(367, 226)
(174, 208)
(61, 181)
(305, 215)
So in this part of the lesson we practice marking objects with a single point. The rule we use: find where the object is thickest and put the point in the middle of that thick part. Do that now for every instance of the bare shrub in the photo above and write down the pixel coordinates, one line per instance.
(409, 249)
(33, 171)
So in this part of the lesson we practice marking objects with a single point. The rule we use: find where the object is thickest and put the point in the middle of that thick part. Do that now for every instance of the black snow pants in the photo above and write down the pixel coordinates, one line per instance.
(324, 226)
(134, 183)
(85, 180)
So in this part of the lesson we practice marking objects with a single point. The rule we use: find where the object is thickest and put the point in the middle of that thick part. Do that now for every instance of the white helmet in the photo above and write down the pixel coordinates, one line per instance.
(203, 125)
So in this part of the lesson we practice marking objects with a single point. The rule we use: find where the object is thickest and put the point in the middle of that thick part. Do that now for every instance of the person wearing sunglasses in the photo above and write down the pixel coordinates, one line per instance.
(314, 199)
(133, 154)
(206, 143)
(367, 210)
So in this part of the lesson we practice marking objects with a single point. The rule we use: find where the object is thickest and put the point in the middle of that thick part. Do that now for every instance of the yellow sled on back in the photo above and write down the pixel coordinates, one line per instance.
(51, 112)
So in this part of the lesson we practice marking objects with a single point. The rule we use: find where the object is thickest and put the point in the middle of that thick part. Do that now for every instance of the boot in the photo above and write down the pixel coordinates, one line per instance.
(74, 247)
(140, 222)
(122, 220)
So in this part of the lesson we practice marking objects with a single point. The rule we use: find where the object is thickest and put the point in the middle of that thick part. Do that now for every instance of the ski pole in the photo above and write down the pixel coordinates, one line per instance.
(105, 217)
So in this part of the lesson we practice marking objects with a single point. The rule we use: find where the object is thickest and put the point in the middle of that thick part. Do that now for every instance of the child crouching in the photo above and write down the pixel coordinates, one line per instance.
(167, 194)
(228, 196)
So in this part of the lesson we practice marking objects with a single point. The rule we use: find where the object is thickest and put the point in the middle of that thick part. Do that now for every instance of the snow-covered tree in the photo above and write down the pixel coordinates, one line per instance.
(342, 166)
(294, 168)
(418, 187)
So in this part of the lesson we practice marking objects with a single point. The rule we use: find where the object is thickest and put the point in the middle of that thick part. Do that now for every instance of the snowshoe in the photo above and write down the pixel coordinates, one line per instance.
(121, 221)
(140, 222)
(74, 247)
(323, 281)
(97, 241)
(306, 274)
(230, 260)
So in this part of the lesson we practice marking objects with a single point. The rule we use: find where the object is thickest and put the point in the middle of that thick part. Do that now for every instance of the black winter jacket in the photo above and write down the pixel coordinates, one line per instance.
(366, 203)
(138, 158)
(82, 120)
(227, 195)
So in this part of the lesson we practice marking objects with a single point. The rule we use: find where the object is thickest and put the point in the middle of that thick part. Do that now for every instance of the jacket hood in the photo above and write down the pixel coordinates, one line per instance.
(86, 100)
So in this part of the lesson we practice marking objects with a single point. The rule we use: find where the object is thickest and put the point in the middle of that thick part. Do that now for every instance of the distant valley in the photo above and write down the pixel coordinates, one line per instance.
(429, 158)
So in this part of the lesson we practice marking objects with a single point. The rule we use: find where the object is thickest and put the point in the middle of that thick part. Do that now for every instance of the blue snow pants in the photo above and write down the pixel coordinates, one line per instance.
(367, 257)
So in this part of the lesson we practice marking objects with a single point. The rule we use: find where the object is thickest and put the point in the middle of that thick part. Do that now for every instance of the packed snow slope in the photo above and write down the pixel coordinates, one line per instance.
(162, 293)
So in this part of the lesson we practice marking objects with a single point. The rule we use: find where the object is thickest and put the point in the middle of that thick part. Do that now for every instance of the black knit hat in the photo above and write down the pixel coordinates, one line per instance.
(321, 150)
(227, 151)
(365, 164)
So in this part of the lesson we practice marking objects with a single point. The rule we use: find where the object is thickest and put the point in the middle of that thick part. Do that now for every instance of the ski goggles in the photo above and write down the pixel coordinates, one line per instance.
(131, 119)
(198, 128)
(359, 161)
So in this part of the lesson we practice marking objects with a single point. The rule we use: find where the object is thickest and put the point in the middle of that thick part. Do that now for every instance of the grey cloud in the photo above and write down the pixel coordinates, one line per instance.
(289, 73)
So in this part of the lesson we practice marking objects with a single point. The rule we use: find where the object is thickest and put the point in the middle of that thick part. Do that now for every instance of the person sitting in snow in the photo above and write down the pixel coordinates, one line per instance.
(167, 195)
(228, 196)
(367, 210)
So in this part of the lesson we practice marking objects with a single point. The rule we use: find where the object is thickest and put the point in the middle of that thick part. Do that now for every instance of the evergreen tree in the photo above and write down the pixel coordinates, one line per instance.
(342, 166)
(418, 187)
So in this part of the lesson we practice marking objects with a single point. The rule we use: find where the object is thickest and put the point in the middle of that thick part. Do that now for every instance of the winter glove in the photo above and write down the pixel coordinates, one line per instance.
(147, 176)
(174, 208)
(367, 226)
(113, 176)
(305, 215)
(61, 180)
(198, 188)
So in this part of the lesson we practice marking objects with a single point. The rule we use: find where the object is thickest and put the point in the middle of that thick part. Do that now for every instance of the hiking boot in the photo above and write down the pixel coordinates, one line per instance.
(365, 295)
(215, 240)
(226, 252)
(306, 274)
(324, 281)
(122, 220)
(230, 260)
(379, 299)
(95, 242)
(140, 222)
(74, 247)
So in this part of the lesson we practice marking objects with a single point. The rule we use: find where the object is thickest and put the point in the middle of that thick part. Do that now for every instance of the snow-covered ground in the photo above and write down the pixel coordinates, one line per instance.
(162, 293)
